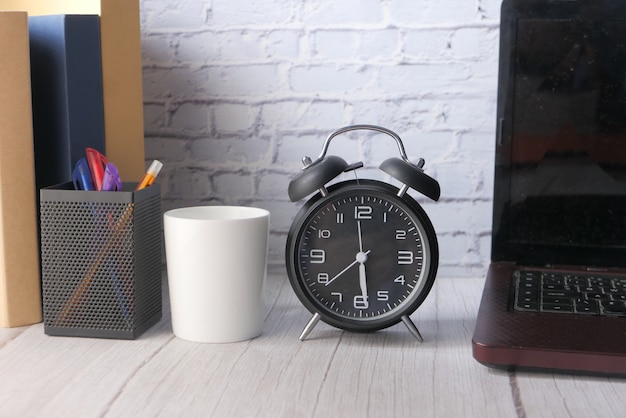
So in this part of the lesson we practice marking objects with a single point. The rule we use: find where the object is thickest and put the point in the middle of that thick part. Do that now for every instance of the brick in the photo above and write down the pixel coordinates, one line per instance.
(383, 44)
(303, 115)
(273, 186)
(234, 117)
(163, 14)
(433, 78)
(228, 151)
(173, 148)
(411, 12)
(453, 248)
(466, 43)
(426, 44)
(490, 10)
(335, 44)
(185, 182)
(241, 45)
(156, 48)
(336, 12)
(197, 47)
(477, 112)
(283, 44)
(235, 185)
(293, 148)
(154, 116)
(242, 80)
(458, 178)
(281, 215)
(190, 117)
(330, 78)
(175, 81)
(467, 216)
(250, 12)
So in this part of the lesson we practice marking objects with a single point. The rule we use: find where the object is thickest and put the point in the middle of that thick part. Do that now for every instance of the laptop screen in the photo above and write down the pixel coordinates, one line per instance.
(561, 160)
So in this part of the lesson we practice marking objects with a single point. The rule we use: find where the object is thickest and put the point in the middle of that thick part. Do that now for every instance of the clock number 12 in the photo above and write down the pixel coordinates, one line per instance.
(363, 212)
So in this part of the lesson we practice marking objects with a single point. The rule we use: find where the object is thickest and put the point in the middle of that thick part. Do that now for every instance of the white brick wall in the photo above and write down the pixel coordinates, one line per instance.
(236, 92)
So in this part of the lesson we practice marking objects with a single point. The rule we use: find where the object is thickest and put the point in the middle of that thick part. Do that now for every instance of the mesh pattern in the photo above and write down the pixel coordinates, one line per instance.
(95, 262)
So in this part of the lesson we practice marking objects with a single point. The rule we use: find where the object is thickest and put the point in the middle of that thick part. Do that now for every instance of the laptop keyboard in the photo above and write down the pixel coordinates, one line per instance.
(586, 294)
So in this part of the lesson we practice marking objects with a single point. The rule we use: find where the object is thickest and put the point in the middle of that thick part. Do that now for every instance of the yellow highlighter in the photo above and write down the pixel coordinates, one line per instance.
(150, 175)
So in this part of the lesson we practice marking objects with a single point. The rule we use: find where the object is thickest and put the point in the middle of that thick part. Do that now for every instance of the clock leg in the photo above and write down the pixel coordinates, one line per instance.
(412, 328)
(310, 325)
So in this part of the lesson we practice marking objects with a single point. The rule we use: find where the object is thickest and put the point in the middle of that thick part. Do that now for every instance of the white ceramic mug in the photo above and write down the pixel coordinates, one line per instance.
(216, 265)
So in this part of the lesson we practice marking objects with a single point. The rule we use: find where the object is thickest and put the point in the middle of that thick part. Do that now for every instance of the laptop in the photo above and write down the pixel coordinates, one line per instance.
(555, 292)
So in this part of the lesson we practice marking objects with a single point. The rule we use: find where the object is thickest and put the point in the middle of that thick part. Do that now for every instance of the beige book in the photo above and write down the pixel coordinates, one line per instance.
(20, 293)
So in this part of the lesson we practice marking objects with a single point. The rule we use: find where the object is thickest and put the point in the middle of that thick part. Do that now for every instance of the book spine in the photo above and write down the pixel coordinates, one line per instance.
(20, 294)
(67, 93)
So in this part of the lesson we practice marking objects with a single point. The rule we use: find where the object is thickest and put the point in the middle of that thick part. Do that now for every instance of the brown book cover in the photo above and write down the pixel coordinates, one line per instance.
(121, 73)
(20, 293)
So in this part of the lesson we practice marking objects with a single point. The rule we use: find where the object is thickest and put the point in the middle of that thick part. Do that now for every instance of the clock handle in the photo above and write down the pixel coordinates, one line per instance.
(357, 128)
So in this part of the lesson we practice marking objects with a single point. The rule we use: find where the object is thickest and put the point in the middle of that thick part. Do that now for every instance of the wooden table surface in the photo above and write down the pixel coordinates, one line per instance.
(331, 374)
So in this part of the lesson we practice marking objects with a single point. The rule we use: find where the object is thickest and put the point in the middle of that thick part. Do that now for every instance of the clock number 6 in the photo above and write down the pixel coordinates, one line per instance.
(360, 302)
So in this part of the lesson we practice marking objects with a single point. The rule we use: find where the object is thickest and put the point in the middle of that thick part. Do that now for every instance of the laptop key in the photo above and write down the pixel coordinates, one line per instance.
(577, 281)
(529, 306)
(600, 281)
(557, 307)
(560, 294)
(597, 296)
(553, 281)
(587, 307)
(611, 307)
(591, 289)
(556, 301)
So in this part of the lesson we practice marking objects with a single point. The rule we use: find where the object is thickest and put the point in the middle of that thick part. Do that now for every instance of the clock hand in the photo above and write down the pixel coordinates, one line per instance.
(361, 258)
(363, 280)
(360, 236)
(348, 267)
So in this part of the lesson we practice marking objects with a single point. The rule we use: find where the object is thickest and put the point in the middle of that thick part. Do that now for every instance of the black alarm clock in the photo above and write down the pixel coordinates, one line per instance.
(361, 254)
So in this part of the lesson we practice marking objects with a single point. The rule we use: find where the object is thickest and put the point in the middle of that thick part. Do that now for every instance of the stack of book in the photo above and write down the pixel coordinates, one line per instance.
(70, 77)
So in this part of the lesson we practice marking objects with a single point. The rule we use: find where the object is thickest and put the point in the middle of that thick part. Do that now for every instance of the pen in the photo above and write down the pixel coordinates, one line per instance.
(111, 180)
(97, 162)
(150, 175)
(82, 288)
(81, 176)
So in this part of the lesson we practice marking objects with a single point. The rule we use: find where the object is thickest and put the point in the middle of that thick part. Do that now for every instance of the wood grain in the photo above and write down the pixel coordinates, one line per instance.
(332, 373)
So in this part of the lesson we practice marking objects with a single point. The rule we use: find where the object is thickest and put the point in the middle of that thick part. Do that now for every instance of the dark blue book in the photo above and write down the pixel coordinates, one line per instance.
(66, 78)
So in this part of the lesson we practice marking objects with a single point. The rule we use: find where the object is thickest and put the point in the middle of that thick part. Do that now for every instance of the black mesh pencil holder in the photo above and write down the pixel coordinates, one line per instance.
(100, 261)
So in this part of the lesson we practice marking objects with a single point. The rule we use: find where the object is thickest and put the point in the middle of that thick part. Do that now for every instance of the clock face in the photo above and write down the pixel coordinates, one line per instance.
(361, 256)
